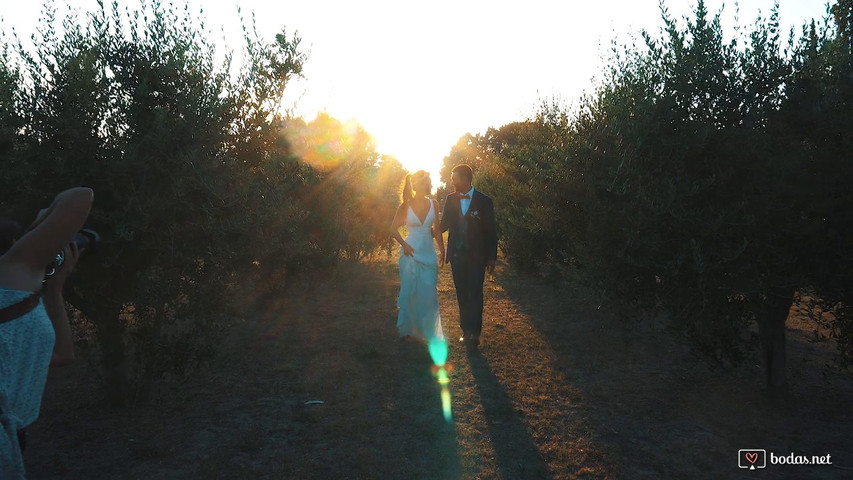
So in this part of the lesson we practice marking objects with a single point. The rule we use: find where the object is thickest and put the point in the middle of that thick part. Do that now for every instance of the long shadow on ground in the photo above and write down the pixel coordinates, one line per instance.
(517, 454)
(660, 412)
(256, 413)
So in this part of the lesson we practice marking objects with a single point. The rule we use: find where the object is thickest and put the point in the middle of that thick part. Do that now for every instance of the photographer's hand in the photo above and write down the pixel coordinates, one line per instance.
(54, 304)
(72, 254)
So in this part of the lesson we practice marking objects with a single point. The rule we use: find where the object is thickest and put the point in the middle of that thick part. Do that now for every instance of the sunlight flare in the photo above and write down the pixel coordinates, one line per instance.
(438, 352)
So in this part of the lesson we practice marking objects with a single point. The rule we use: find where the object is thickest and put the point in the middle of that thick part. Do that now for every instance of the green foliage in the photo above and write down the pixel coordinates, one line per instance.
(355, 193)
(10, 119)
(703, 178)
(816, 123)
(526, 167)
(202, 202)
(686, 196)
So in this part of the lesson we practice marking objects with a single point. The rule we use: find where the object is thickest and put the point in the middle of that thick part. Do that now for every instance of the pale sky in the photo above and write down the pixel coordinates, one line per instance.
(418, 76)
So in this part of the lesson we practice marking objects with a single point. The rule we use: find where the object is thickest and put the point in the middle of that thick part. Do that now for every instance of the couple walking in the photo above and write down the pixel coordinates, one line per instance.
(471, 249)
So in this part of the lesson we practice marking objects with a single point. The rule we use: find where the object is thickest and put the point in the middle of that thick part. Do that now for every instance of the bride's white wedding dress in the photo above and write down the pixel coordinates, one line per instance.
(418, 300)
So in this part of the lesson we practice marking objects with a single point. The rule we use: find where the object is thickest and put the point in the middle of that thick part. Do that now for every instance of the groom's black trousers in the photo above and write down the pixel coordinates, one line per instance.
(468, 277)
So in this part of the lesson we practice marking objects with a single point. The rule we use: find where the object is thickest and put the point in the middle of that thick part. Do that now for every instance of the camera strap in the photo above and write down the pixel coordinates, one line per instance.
(19, 309)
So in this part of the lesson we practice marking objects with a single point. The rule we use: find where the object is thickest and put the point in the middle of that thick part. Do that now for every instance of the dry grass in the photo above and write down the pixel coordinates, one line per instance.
(557, 390)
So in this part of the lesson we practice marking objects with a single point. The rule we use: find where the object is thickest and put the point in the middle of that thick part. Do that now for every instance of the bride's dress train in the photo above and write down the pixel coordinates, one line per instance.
(418, 301)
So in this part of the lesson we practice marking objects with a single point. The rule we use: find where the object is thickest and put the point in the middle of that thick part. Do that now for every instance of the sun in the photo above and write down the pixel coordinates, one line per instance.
(408, 116)
(414, 150)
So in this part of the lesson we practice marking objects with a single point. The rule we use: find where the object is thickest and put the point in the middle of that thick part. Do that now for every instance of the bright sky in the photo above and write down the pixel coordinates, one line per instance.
(418, 76)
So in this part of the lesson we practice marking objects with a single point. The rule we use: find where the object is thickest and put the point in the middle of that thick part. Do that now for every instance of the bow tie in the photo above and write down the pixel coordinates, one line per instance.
(466, 196)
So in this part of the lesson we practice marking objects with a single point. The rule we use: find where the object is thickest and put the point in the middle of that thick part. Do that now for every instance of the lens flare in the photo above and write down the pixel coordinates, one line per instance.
(438, 352)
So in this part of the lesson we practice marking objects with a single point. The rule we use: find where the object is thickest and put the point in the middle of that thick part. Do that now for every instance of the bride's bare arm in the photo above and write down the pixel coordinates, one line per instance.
(399, 220)
(439, 238)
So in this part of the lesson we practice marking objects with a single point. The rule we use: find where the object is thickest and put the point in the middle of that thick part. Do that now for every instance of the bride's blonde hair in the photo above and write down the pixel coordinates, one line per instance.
(419, 179)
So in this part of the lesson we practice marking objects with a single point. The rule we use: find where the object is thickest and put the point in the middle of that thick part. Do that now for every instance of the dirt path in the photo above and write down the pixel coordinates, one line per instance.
(555, 391)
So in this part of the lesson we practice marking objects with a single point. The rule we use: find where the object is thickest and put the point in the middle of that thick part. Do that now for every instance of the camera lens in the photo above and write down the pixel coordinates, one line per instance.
(88, 239)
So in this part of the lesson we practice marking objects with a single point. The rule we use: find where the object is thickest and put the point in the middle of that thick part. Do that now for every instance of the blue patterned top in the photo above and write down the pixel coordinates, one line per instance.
(26, 346)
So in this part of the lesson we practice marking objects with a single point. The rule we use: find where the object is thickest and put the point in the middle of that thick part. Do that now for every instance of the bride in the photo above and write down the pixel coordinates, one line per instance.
(418, 301)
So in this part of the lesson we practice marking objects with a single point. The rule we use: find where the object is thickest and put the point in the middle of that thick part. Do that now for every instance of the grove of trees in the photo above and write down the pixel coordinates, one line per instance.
(704, 179)
(206, 195)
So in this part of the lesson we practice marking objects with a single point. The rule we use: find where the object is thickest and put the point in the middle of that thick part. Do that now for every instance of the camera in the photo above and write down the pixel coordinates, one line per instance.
(88, 239)
(84, 239)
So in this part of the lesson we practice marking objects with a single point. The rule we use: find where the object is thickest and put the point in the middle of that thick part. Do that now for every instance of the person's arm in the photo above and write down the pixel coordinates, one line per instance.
(54, 304)
(439, 237)
(54, 228)
(399, 220)
(491, 236)
(445, 222)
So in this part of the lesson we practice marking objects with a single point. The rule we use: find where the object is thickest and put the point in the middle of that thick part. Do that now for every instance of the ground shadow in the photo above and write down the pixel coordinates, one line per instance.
(313, 386)
(660, 411)
(517, 454)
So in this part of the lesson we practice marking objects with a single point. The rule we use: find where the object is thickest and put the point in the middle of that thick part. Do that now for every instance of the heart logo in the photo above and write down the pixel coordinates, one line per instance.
(752, 457)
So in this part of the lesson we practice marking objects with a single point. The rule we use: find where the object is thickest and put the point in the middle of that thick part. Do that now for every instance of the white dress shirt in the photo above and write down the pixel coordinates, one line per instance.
(466, 202)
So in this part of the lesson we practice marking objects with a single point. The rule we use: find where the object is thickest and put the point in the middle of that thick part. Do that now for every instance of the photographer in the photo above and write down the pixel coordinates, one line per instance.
(34, 328)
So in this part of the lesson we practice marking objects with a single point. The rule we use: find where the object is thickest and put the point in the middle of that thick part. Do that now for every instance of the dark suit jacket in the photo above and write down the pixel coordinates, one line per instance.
(481, 232)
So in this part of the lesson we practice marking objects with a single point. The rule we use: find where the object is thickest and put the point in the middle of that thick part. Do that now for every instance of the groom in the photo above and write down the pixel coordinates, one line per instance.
(472, 247)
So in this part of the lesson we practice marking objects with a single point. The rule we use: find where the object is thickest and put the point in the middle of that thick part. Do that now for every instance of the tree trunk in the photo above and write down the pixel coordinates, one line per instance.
(772, 312)
(104, 313)
(113, 361)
